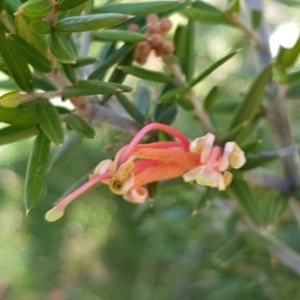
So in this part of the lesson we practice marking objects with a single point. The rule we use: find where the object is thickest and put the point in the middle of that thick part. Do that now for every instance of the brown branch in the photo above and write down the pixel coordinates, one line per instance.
(93, 111)
(172, 64)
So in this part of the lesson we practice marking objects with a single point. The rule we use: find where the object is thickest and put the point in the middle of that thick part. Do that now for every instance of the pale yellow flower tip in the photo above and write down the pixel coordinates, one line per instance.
(53, 215)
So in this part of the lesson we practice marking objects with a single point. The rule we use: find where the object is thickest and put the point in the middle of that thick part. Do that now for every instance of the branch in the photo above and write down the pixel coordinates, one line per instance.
(94, 111)
(171, 63)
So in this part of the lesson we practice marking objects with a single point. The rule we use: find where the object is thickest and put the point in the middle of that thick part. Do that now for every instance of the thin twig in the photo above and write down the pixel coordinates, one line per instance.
(173, 66)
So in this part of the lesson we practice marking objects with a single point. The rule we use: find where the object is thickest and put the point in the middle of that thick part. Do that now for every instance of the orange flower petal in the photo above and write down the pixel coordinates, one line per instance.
(185, 159)
(156, 173)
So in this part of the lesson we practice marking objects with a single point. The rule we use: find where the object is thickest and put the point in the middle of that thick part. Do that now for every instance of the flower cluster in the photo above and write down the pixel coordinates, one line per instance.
(156, 32)
(137, 165)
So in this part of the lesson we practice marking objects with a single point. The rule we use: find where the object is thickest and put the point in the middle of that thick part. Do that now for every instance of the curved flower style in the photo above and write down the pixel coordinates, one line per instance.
(136, 165)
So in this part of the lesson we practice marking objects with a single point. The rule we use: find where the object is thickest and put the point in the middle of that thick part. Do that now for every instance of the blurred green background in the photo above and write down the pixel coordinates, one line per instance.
(182, 247)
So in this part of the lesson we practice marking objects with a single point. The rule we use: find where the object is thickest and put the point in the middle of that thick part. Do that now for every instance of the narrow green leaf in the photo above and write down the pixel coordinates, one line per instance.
(256, 17)
(180, 41)
(49, 121)
(36, 169)
(213, 67)
(112, 35)
(10, 100)
(247, 110)
(185, 103)
(165, 113)
(80, 125)
(70, 72)
(16, 64)
(89, 22)
(244, 195)
(132, 110)
(93, 87)
(40, 27)
(31, 54)
(147, 74)
(69, 4)
(23, 29)
(234, 6)
(18, 117)
(110, 61)
(211, 98)
(143, 98)
(35, 8)
(287, 57)
(12, 134)
(84, 61)
(231, 250)
(173, 95)
(62, 49)
(65, 152)
(136, 8)
(205, 16)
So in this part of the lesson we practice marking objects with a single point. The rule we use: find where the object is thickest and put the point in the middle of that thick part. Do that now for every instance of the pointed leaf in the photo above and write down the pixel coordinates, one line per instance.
(81, 126)
(231, 250)
(84, 61)
(89, 22)
(247, 110)
(136, 8)
(173, 95)
(40, 27)
(12, 134)
(62, 48)
(213, 67)
(31, 54)
(131, 109)
(10, 100)
(94, 87)
(165, 113)
(112, 35)
(143, 99)
(18, 117)
(288, 56)
(244, 195)
(69, 4)
(49, 121)
(205, 14)
(16, 64)
(36, 169)
(147, 74)
(35, 8)
(234, 6)
(211, 98)
(110, 61)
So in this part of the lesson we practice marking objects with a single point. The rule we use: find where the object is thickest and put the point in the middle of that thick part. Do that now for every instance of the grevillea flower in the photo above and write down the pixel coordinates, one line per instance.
(136, 165)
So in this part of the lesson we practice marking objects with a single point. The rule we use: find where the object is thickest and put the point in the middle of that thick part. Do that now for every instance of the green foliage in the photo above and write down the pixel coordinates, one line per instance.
(69, 77)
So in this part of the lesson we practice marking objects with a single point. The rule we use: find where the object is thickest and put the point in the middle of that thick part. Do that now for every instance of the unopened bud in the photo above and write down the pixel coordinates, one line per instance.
(133, 27)
(165, 25)
(152, 19)
(143, 48)
(155, 40)
(168, 47)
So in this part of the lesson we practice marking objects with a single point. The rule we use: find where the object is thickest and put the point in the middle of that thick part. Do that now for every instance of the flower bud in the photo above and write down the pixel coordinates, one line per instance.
(165, 25)
(168, 47)
(133, 27)
(155, 40)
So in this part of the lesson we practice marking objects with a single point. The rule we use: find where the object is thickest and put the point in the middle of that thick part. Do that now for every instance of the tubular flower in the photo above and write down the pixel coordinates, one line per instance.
(136, 165)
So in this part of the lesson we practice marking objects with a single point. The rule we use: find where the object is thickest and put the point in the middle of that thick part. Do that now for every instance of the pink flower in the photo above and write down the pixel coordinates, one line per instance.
(136, 165)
